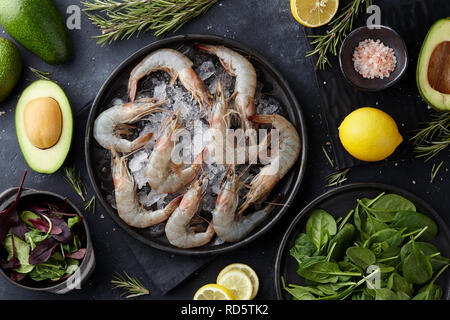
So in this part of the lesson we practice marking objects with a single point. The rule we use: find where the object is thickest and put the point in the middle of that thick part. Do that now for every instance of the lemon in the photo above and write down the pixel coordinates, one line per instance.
(314, 13)
(213, 292)
(369, 134)
(247, 270)
(238, 282)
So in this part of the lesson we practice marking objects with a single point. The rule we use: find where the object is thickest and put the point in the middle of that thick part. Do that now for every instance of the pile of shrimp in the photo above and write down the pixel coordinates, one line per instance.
(230, 220)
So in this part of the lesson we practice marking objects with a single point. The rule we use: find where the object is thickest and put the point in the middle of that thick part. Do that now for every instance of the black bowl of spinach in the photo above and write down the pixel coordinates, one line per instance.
(45, 243)
(365, 241)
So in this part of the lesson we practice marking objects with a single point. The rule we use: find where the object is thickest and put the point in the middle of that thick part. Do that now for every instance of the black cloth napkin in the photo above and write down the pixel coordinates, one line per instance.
(412, 20)
(165, 270)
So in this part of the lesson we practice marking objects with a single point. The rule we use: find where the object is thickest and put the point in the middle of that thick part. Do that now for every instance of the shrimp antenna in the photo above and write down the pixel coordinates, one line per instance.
(132, 152)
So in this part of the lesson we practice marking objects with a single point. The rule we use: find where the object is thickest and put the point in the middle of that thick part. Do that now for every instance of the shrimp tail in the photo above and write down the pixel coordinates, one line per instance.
(261, 118)
(132, 89)
(142, 141)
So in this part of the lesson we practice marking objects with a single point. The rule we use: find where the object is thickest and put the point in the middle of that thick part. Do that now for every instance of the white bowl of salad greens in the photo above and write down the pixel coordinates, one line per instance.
(45, 243)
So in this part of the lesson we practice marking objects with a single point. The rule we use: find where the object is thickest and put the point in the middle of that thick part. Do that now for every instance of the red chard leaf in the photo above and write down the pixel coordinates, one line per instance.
(66, 235)
(43, 226)
(9, 217)
(20, 229)
(14, 261)
(78, 255)
(43, 251)
(17, 276)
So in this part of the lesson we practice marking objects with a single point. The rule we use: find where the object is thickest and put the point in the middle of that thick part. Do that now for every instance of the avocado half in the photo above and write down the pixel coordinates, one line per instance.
(433, 67)
(41, 159)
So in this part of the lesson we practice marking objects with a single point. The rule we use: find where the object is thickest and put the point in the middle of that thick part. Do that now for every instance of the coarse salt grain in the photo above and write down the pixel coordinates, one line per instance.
(372, 59)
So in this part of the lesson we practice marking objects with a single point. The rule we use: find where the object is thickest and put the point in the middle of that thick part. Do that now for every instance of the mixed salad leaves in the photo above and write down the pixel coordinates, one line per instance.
(40, 240)
(388, 238)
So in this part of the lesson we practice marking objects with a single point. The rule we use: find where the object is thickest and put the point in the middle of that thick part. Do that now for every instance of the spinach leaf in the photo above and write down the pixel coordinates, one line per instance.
(416, 267)
(413, 221)
(385, 294)
(342, 240)
(437, 261)
(361, 295)
(26, 215)
(34, 236)
(299, 292)
(319, 227)
(431, 291)
(53, 269)
(73, 221)
(399, 284)
(329, 289)
(322, 271)
(385, 208)
(72, 266)
(302, 248)
(21, 249)
(362, 257)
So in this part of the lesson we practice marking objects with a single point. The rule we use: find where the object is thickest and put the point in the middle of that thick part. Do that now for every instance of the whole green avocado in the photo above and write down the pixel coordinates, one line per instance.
(10, 67)
(38, 26)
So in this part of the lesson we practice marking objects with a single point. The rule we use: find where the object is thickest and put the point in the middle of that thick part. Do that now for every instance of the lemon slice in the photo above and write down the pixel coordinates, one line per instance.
(314, 13)
(213, 292)
(238, 282)
(248, 271)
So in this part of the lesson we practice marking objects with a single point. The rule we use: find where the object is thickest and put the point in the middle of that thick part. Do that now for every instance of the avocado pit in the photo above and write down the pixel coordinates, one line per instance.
(42, 119)
(439, 68)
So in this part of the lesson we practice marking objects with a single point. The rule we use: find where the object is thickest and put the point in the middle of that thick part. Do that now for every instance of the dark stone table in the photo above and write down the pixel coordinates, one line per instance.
(264, 25)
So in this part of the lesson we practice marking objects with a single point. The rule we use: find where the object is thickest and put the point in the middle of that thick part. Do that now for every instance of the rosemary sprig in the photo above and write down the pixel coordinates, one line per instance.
(435, 170)
(433, 137)
(90, 206)
(132, 286)
(75, 181)
(328, 157)
(337, 178)
(42, 75)
(120, 19)
(340, 26)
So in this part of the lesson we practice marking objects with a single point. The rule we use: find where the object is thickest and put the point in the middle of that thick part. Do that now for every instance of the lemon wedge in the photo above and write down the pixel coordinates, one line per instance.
(248, 271)
(314, 13)
(213, 292)
(238, 283)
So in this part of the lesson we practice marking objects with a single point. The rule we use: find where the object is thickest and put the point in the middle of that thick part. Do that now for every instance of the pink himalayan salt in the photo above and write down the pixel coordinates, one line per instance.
(372, 59)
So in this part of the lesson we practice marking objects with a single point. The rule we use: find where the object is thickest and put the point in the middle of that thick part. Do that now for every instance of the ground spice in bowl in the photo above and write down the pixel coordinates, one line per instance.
(372, 59)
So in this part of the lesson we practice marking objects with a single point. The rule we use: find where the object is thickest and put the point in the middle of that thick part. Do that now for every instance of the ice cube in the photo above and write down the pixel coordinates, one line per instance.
(160, 91)
(206, 70)
(153, 197)
(137, 161)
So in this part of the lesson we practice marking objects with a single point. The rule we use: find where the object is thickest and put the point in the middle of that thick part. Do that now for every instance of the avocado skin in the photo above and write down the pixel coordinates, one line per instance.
(45, 161)
(420, 75)
(10, 67)
(38, 26)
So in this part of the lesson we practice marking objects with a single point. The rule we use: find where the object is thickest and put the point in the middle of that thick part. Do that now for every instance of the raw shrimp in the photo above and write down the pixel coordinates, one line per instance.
(238, 66)
(178, 66)
(178, 230)
(128, 206)
(281, 162)
(219, 122)
(164, 176)
(228, 225)
(113, 122)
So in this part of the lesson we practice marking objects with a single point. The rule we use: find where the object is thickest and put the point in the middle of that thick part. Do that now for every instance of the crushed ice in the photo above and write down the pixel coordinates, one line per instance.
(158, 87)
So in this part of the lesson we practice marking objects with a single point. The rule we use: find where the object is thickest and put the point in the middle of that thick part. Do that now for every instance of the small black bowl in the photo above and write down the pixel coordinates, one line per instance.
(387, 36)
(87, 266)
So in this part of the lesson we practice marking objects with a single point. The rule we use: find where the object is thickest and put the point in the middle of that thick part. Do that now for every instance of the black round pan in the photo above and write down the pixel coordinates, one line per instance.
(338, 202)
(97, 158)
